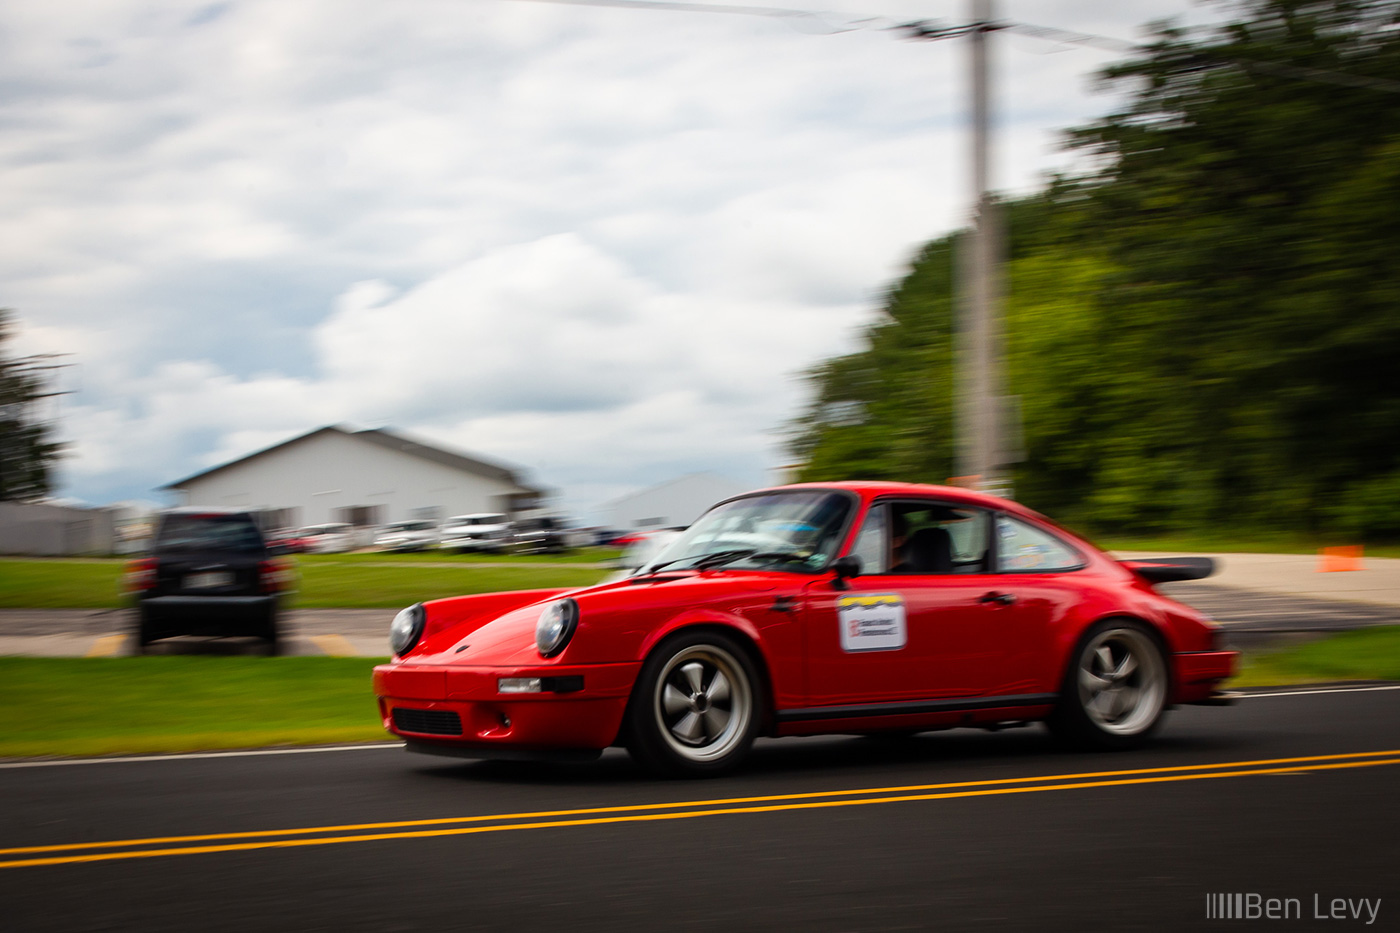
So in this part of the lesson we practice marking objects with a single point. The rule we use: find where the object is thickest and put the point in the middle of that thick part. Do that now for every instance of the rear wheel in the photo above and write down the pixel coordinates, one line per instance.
(271, 635)
(1116, 687)
(694, 710)
(144, 632)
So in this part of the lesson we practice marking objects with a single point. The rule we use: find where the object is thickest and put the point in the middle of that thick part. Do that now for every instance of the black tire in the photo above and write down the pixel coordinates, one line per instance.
(1115, 687)
(144, 632)
(696, 706)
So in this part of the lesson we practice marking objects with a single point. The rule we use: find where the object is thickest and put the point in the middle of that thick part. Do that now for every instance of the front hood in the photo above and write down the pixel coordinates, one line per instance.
(613, 618)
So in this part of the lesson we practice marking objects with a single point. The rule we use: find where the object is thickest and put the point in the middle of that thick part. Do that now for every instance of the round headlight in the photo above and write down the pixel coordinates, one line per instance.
(406, 629)
(556, 626)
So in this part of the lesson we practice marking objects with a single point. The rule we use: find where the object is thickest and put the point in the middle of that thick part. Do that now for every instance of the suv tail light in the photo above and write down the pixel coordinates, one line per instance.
(140, 575)
(274, 576)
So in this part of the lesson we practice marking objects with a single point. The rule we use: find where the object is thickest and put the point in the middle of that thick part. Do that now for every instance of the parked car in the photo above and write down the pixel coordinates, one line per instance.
(330, 538)
(643, 550)
(606, 537)
(407, 536)
(542, 535)
(210, 572)
(808, 609)
(288, 540)
(483, 531)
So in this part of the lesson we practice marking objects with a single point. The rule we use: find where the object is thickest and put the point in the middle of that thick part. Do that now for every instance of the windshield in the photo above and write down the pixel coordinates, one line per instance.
(797, 531)
(316, 530)
(469, 520)
(408, 526)
(209, 533)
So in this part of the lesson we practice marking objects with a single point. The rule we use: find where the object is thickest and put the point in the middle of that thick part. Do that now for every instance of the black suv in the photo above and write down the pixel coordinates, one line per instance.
(210, 572)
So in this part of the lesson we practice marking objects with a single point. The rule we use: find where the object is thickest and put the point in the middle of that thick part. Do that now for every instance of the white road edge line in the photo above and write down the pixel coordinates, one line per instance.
(1303, 693)
(247, 753)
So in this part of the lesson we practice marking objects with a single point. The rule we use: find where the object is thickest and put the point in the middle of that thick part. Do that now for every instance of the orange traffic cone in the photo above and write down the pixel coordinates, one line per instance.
(1339, 558)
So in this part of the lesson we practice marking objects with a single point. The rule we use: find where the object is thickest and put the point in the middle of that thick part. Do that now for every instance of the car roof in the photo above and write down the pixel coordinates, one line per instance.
(875, 489)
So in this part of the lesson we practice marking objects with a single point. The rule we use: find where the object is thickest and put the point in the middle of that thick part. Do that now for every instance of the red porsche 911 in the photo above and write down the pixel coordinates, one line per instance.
(806, 609)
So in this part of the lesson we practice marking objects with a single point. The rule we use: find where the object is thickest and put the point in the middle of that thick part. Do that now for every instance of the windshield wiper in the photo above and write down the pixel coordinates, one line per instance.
(722, 557)
(707, 560)
(719, 558)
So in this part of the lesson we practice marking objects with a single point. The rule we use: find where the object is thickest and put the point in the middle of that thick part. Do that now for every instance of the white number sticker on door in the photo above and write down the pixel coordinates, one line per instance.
(873, 622)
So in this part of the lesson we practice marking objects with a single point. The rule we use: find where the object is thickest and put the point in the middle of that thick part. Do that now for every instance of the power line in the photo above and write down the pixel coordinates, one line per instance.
(1051, 34)
(680, 6)
(1280, 69)
(934, 30)
(982, 452)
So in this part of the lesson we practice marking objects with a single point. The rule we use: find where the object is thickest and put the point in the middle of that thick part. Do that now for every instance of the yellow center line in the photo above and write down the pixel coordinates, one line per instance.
(622, 815)
(108, 646)
(439, 821)
(334, 646)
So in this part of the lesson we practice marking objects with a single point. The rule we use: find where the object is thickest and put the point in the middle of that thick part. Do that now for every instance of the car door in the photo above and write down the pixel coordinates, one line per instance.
(1037, 578)
(924, 619)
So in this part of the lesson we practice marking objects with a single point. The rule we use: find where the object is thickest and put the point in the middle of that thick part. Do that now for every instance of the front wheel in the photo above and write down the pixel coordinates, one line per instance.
(1116, 688)
(694, 710)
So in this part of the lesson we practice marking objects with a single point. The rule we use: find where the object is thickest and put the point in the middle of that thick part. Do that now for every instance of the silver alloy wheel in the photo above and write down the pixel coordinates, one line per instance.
(1122, 681)
(703, 703)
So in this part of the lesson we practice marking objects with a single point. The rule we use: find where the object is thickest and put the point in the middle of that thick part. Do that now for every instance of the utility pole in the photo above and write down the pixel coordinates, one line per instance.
(980, 448)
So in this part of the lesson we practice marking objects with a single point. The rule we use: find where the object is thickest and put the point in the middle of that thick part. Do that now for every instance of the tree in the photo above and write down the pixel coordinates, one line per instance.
(27, 455)
(1203, 329)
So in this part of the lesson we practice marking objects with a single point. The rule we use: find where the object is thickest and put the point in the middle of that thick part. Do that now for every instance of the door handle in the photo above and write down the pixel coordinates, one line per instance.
(1000, 599)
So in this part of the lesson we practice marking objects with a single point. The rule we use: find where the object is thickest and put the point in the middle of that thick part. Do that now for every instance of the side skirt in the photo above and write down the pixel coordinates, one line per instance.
(913, 707)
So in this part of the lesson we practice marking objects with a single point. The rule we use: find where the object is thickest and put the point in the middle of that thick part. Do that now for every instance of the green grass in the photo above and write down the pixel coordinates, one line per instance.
(1364, 654)
(355, 586)
(325, 581)
(146, 705)
(99, 706)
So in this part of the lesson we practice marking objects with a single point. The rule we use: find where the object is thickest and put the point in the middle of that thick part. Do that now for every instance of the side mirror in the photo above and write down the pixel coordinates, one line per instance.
(846, 568)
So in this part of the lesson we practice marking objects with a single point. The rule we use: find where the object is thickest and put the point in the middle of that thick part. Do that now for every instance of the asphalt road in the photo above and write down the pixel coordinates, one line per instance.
(1291, 796)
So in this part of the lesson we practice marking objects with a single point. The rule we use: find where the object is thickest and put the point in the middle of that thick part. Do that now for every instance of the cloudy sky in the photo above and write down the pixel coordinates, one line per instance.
(600, 244)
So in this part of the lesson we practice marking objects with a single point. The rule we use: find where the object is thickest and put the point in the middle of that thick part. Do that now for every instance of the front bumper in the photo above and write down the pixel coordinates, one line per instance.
(460, 708)
(1199, 672)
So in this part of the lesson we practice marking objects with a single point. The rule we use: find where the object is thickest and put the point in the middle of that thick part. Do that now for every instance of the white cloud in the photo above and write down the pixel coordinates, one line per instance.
(596, 242)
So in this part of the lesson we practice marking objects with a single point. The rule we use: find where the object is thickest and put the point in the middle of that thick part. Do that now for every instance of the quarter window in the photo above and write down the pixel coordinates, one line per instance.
(1021, 547)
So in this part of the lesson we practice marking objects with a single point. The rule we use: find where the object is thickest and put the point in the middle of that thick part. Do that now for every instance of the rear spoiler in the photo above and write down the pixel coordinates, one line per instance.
(1171, 569)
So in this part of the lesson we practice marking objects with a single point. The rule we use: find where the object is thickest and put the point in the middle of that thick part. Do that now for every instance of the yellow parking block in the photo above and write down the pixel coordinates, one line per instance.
(335, 646)
(108, 646)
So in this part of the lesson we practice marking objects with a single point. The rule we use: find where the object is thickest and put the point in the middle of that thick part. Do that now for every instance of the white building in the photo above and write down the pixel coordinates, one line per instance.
(670, 505)
(48, 529)
(361, 477)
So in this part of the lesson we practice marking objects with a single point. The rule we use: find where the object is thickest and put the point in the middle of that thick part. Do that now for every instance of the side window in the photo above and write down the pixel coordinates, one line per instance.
(871, 545)
(1022, 547)
(933, 538)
